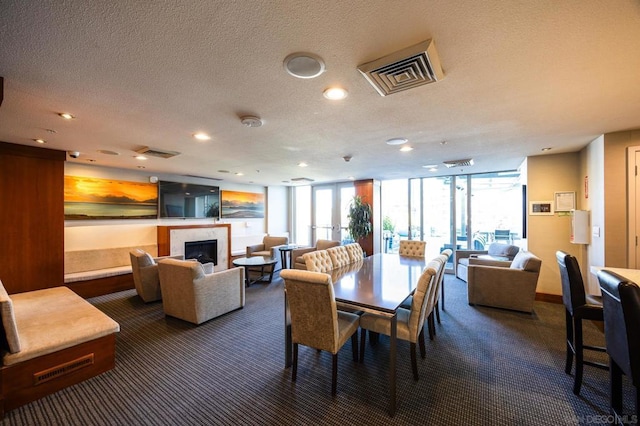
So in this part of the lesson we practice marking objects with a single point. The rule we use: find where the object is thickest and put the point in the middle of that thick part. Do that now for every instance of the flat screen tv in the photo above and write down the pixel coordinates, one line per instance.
(188, 200)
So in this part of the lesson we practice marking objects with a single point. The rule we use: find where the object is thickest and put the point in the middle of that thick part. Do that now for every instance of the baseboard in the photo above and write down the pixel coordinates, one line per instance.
(551, 298)
(102, 286)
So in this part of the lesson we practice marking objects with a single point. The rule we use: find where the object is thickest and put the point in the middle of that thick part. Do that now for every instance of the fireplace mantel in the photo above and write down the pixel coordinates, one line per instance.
(171, 240)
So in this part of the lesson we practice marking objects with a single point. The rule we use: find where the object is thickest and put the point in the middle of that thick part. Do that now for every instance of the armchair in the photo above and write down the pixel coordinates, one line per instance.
(193, 292)
(497, 255)
(296, 254)
(509, 287)
(145, 274)
(269, 248)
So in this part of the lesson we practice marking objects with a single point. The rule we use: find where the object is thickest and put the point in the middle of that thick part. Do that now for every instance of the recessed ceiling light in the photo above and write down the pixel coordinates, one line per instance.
(352, 178)
(66, 115)
(201, 136)
(430, 166)
(406, 149)
(40, 141)
(239, 174)
(433, 169)
(546, 149)
(304, 65)
(335, 93)
(107, 152)
(140, 157)
(397, 141)
(302, 164)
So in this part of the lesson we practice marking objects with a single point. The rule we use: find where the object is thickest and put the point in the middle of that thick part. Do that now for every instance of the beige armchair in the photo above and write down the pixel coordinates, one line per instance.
(511, 287)
(193, 292)
(498, 254)
(145, 274)
(269, 248)
(296, 254)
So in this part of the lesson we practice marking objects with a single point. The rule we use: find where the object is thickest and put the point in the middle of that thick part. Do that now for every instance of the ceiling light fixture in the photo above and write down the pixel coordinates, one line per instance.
(406, 149)
(201, 136)
(397, 141)
(545, 149)
(304, 65)
(251, 121)
(67, 116)
(335, 93)
(430, 166)
(239, 174)
(302, 164)
(140, 157)
(40, 141)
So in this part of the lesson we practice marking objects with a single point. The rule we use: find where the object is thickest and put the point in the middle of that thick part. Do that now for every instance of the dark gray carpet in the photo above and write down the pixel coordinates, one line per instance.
(485, 367)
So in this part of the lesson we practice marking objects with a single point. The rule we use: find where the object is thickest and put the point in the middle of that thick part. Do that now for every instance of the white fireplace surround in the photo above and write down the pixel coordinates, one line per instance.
(177, 238)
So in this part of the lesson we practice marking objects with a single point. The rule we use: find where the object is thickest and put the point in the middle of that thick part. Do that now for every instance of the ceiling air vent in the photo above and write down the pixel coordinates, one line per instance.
(405, 69)
(302, 179)
(459, 163)
(155, 152)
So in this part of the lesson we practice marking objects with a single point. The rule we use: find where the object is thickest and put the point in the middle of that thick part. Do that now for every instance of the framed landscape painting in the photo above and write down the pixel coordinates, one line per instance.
(88, 198)
(237, 204)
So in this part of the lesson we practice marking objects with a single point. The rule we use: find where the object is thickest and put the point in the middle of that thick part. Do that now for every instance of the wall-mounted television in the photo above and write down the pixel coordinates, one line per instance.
(188, 200)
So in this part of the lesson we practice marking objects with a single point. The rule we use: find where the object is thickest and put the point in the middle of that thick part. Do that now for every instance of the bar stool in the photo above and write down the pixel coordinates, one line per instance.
(578, 307)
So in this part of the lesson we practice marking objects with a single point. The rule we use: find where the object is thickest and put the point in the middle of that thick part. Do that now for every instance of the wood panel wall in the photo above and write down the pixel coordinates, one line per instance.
(31, 217)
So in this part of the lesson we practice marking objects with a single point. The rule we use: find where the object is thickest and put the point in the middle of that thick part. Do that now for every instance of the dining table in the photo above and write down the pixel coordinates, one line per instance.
(377, 284)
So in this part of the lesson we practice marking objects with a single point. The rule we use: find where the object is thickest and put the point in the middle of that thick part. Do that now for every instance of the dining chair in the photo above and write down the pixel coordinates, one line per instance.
(409, 322)
(621, 304)
(318, 261)
(578, 307)
(315, 320)
(446, 254)
(412, 248)
(355, 251)
(339, 256)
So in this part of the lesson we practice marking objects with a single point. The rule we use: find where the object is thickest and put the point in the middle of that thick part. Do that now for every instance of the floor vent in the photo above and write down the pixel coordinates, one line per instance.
(62, 369)
(155, 152)
(408, 68)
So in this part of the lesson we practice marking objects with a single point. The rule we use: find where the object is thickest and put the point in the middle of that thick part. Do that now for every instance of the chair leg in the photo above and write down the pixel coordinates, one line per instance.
(615, 388)
(294, 368)
(430, 326)
(414, 361)
(577, 326)
(354, 346)
(373, 338)
(569, 327)
(334, 375)
(442, 294)
(363, 338)
(423, 349)
(438, 312)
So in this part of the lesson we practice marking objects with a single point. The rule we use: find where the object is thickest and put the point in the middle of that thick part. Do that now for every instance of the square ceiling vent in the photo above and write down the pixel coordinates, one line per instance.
(408, 68)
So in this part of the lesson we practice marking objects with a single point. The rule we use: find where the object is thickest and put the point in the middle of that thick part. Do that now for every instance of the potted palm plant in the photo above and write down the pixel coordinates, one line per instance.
(359, 219)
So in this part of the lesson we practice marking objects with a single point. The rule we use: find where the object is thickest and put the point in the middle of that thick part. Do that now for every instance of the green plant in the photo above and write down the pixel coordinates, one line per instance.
(387, 224)
(359, 219)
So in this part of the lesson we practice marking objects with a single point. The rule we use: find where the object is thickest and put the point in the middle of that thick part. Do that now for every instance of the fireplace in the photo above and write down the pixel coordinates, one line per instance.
(202, 251)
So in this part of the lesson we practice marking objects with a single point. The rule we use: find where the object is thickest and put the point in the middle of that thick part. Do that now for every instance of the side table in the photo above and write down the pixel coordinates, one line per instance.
(285, 255)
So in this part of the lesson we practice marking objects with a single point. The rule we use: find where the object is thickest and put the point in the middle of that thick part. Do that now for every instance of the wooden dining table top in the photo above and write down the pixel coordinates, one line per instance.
(379, 282)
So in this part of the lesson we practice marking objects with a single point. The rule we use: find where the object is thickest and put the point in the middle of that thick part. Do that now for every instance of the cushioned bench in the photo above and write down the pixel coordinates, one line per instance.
(96, 272)
(51, 339)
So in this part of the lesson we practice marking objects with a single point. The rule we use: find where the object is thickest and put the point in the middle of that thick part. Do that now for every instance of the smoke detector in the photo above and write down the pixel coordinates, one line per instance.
(251, 121)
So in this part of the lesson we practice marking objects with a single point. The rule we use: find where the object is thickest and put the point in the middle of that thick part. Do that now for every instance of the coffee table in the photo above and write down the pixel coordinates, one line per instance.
(256, 262)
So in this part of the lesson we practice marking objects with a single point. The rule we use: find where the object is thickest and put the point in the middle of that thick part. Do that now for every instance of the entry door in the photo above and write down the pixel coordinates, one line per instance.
(330, 210)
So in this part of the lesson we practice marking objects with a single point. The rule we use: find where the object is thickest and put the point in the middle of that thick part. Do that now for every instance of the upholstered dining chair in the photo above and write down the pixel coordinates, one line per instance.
(355, 252)
(409, 322)
(412, 248)
(339, 256)
(578, 307)
(315, 320)
(145, 274)
(621, 306)
(318, 261)
(444, 255)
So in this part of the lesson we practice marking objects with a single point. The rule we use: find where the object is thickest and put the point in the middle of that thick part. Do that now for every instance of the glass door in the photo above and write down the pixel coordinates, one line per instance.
(330, 211)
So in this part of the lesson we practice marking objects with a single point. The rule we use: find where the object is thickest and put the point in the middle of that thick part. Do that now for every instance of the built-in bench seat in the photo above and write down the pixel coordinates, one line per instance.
(96, 272)
(51, 339)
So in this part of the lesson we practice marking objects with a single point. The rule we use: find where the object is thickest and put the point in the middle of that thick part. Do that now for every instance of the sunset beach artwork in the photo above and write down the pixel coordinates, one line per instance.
(237, 204)
(95, 198)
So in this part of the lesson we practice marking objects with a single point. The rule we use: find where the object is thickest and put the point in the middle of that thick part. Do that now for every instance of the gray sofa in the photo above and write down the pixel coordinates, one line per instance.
(508, 287)
(497, 255)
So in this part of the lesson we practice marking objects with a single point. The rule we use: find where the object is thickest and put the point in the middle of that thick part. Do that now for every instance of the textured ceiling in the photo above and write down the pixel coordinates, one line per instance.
(519, 76)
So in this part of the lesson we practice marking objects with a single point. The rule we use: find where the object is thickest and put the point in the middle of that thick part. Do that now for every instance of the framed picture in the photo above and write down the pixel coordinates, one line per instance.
(236, 204)
(565, 201)
(541, 208)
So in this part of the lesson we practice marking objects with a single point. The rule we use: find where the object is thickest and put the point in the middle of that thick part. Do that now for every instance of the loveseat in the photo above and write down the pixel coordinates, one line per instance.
(296, 254)
(51, 339)
(509, 287)
(497, 255)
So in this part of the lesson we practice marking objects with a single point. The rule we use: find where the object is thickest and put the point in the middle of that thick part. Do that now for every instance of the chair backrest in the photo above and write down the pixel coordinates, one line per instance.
(421, 298)
(312, 308)
(615, 326)
(573, 294)
(183, 271)
(355, 252)
(412, 248)
(326, 244)
(339, 256)
(270, 241)
(318, 261)
(140, 259)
